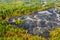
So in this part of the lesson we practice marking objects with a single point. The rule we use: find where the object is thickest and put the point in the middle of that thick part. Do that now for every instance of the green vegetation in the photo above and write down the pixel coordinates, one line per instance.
(8, 32)
(22, 8)
(18, 8)
(55, 34)
(19, 21)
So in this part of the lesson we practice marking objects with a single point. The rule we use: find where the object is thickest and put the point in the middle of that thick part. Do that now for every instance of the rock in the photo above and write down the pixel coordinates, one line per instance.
(46, 34)
(29, 24)
(39, 23)
(42, 24)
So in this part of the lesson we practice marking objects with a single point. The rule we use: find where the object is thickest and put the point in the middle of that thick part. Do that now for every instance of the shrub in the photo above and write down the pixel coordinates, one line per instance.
(19, 21)
(55, 34)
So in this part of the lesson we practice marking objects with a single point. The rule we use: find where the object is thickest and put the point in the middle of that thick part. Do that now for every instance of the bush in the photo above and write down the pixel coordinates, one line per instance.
(14, 9)
(19, 21)
(55, 34)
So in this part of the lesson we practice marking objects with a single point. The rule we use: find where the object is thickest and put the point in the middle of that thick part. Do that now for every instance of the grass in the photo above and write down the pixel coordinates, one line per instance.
(11, 9)
(22, 8)
(8, 32)
(55, 34)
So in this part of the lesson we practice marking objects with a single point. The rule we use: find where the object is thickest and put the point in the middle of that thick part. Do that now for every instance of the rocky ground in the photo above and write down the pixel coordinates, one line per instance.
(39, 23)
